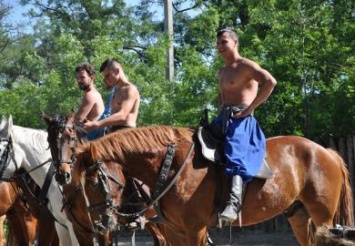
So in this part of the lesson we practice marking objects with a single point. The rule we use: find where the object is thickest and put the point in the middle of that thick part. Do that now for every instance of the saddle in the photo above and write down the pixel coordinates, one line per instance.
(212, 143)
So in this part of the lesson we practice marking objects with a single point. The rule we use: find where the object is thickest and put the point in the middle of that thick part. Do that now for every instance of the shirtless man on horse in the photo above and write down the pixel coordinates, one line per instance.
(243, 85)
(125, 100)
(124, 113)
(92, 106)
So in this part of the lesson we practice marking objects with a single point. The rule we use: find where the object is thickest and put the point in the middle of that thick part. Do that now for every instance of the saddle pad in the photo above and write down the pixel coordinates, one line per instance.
(208, 148)
(208, 145)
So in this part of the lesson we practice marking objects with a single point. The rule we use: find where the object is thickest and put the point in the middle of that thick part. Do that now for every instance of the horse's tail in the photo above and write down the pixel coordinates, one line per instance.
(345, 213)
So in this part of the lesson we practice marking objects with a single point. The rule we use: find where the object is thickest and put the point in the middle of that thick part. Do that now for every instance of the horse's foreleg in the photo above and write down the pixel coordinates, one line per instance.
(157, 232)
(197, 237)
(47, 234)
(299, 222)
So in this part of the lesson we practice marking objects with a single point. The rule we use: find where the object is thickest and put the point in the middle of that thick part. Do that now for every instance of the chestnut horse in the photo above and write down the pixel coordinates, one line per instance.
(18, 202)
(24, 214)
(305, 173)
(64, 135)
(21, 223)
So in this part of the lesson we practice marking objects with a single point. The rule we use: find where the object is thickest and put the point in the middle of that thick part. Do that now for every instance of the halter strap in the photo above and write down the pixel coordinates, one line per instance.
(5, 156)
(173, 181)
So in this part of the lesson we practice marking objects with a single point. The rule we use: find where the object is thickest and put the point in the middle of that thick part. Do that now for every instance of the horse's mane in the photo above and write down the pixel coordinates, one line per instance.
(141, 139)
(58, 122)
(35, 138)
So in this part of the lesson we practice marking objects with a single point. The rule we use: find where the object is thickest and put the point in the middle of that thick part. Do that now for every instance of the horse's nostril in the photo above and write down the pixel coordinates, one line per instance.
(63, 178)
(59, 178)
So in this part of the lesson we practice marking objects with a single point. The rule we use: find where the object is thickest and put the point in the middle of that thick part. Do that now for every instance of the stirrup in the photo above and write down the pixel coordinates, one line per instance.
(137, 223)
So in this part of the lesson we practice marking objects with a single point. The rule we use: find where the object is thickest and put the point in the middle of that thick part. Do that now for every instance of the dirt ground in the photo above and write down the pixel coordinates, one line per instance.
(222, 238)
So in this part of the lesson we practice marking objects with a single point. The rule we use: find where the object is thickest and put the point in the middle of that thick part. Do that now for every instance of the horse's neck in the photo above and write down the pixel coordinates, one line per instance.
(33, 143)
(142, 170)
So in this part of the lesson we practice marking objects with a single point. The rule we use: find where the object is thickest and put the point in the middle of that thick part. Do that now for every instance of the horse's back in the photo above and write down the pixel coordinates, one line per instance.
(308, 154)
(304, 171)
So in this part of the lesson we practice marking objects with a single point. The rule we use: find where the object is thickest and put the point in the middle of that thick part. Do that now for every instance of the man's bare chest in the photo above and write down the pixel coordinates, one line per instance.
(116, 100)
(231, 77)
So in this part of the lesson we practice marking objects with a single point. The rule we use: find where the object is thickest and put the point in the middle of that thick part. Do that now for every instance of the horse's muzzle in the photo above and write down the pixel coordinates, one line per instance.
(63, 178)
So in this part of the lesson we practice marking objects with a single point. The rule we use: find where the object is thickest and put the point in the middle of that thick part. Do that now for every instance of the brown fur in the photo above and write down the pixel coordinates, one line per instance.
(77, 205)
(23, 219)
(139, 140)
(303, 170)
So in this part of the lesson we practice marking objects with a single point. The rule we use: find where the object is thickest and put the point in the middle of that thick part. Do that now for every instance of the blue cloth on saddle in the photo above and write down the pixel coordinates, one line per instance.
(107, 112)
(245, 147)
(99, 132)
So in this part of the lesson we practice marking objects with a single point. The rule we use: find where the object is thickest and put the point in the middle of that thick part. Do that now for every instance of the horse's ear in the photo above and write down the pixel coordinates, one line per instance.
(47, 118)
(6, 126)
(3, 123)
(9, 123)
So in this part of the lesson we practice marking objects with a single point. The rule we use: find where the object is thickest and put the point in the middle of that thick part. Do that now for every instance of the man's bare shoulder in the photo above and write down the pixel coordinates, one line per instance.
(249, 67)
(127, 91)
(131, 88)
(249, 63)
(93, 94)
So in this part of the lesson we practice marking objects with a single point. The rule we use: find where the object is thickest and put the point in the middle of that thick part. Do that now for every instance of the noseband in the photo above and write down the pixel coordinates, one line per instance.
(72, 143)
(5, 156)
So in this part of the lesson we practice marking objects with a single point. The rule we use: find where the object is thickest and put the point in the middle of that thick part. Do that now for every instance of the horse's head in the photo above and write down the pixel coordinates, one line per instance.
(9, 163)
(64, 135)
(103, 184)
(6, 144)
(5, 126)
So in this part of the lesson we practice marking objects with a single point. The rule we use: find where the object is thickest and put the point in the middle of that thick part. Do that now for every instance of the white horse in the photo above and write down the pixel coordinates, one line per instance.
(27, 148)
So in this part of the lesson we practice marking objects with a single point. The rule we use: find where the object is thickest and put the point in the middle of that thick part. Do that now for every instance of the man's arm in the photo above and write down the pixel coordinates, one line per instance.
(86, 106)
(127, 98)
(267, 83)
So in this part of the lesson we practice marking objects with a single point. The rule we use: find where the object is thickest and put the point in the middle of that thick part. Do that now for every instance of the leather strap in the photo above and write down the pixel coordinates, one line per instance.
(164, 172)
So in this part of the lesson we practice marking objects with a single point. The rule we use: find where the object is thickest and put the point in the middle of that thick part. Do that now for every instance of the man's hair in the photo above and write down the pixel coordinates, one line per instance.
(232, 33)
(110, 63)
(87, 67)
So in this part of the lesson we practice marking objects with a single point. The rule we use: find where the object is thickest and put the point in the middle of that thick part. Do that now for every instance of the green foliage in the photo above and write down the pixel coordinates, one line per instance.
(307, 46)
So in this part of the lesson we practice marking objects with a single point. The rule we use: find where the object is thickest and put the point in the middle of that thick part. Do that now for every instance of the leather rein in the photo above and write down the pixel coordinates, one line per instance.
(4, 161)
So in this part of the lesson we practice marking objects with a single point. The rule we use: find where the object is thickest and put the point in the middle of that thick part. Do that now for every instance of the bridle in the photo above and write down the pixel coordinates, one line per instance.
(108, 205)
(72, 143)
(4, 163)
(71, 133)
(163, 185)
(4, 159)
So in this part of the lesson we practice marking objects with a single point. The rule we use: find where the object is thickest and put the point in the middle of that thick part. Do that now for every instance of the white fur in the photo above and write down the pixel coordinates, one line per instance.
(31, 150)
